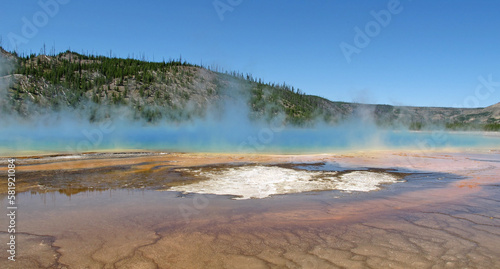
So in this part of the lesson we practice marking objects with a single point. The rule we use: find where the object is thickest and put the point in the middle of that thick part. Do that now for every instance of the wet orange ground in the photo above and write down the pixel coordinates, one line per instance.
(448, 217)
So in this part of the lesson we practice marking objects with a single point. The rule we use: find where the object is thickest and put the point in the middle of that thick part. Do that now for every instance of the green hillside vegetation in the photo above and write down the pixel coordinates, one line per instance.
(154, 90)
(176, 91)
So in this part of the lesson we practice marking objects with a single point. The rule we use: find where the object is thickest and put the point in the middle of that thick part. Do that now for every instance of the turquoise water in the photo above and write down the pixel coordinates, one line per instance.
(235, 137)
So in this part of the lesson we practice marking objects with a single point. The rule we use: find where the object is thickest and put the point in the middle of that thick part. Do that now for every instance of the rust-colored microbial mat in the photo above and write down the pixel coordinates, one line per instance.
(438, 210)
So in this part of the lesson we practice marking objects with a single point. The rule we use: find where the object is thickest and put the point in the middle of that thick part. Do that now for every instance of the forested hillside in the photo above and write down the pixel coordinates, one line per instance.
(175, 90)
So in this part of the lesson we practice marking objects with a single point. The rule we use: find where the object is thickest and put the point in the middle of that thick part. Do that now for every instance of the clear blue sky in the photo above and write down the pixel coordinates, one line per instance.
(431, 53)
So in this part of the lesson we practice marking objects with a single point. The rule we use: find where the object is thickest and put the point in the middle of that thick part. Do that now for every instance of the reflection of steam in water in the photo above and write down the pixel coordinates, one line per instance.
(263, 181)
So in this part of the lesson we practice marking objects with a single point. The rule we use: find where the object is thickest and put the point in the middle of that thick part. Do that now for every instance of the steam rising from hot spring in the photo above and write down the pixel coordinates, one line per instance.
(230, 132)
(226, 127)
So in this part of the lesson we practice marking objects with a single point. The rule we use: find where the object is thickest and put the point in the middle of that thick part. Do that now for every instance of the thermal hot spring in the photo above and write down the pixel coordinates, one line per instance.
(258, 181)
(377, 209)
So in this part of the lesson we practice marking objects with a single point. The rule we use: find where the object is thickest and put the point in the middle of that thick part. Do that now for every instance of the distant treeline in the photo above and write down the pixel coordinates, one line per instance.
(175, 90)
